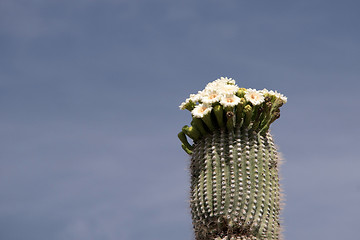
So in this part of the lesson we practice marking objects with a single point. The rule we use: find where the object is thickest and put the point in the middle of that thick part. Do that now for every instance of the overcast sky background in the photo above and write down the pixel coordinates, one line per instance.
(89, 96)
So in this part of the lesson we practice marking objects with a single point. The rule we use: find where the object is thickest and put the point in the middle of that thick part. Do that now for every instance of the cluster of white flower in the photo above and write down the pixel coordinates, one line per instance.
(224, 91)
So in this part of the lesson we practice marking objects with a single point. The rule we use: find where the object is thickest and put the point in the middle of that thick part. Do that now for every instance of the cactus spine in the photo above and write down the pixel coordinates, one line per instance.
(235, 192)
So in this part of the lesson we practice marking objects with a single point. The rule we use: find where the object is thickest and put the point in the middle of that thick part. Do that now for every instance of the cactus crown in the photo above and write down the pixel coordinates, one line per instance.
(222, 104)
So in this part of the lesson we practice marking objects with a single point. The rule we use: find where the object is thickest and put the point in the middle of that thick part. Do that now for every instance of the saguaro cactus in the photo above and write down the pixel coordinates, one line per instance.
(235, 192)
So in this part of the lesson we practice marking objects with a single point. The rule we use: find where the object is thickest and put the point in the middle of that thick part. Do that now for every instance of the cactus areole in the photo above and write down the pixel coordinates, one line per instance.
(235, 192)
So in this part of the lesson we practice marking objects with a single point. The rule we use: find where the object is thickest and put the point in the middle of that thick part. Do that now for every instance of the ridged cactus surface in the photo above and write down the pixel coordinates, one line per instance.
(235, 186)
(235, 191)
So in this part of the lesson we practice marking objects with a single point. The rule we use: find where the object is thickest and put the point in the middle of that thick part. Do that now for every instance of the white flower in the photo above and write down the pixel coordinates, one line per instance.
(276, 94)
(219, 84)
(195, 97)
(201, 110)
(229, 100)
(212, 86)
(184, 104)
(281, 96)
(228, 89)
(253, 96)
(210, 97)
(265, 91)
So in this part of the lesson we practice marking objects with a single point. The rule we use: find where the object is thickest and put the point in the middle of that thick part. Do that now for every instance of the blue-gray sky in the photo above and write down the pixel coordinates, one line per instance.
(89, 96)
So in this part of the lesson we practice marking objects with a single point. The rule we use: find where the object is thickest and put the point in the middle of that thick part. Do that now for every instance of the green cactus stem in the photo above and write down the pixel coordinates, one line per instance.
(235, 190)
(219, 114)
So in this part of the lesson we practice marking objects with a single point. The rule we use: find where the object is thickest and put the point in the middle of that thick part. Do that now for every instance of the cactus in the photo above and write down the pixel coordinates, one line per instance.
(235, 191)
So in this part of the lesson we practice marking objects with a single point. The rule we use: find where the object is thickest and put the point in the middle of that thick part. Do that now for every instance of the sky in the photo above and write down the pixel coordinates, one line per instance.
(89, 96)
